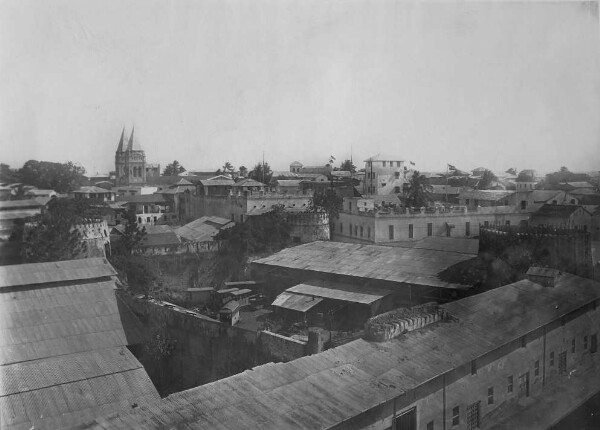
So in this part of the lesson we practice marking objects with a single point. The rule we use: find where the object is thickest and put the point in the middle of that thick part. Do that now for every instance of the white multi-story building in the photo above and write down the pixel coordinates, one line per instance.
(385, 174)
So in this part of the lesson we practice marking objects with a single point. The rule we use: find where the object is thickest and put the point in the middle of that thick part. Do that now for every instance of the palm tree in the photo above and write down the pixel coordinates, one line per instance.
(419, 190)
(227, 167)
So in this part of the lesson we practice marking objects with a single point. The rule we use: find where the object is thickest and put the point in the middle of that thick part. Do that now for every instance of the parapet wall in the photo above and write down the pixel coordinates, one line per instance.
(282, 347)
(389, 325)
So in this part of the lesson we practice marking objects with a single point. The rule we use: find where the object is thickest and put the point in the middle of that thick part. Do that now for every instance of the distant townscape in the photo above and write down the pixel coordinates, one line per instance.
(349, 295)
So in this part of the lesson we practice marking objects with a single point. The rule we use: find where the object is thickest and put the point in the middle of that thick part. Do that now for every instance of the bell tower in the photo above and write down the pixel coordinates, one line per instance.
(130, 162)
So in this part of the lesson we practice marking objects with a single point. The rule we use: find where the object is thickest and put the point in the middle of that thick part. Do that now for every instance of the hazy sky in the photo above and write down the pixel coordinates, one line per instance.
(468, 83)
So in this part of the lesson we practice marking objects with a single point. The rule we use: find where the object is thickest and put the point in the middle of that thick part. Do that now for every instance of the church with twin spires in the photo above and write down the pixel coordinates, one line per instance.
(130, 162)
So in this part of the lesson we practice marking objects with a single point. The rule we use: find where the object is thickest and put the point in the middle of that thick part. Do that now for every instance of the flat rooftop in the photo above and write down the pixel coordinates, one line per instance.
(329, 388)
(413, 266)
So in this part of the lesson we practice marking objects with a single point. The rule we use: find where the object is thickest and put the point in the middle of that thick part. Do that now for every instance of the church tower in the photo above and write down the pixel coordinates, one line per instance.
(130, 163)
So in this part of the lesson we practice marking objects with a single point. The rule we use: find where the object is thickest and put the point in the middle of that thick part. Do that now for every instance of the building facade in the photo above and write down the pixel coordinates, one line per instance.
(130, 163)
(384, 175)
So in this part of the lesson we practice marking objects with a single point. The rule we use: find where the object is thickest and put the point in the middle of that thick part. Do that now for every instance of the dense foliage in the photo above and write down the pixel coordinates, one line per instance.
(261, 172)
(486, 180)
(329, 202)
(173, 169)
(53, 236)
(60, 177)
(418, 194)
(552, 180)
(347, 166)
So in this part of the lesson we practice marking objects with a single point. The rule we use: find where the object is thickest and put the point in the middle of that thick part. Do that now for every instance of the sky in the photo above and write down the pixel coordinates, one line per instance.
(494, 84)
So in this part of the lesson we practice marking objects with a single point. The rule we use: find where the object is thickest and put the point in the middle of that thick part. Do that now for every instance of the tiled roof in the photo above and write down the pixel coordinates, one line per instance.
(63, 354)
(325, 390)
(398, 265)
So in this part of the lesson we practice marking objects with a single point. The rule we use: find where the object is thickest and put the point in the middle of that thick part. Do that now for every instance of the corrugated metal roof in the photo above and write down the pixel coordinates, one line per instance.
(400, 265)
(63, 355)
(491, 195)
(19, 204)
(41, 273)
(203, 229)
(543, 271)
(325, 389)
(336, 291)
(296, 302)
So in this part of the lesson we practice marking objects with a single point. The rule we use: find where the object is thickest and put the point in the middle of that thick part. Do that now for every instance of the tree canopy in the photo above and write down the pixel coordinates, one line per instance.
(328, 201)
(419, 190)
(486, 180)
(173, 169)
(261, 172)
(53, 236)
(348, 166)
(243, 171)
(132, 234)
(552, 180)
(60, 177)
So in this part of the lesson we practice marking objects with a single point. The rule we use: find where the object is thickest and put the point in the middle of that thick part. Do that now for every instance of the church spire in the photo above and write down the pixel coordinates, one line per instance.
(120, 147)
(130, 144)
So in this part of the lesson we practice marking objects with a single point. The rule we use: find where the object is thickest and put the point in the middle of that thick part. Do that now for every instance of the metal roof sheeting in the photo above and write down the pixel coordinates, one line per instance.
(57, 271)
(324, 390)
(203, 229)
(296, 302)
(394, 264)
(344, 292)
(63, 355)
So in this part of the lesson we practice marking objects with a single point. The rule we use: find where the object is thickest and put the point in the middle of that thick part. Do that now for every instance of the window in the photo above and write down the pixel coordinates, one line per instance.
(406, 420)
(507, 223)
(467, 201)
(491, 396)
(391, 232)
(350, 232)
(551, 358)
(430, 425)
(476, 202)
(585, 342)
(396, 190)
(594, 343)
(397, 175)
(486, 223)
(509, 388)
(429, 229)
(410, 231)
(341, 227)
(536, 368)
(368, 232)
(350, 206)
(148, 219)
(467, 229)
(383, 163)
(523, 204)
(397, 164)
(456, 415)
(361, 231)
(572, 346)
(473, 413)
(355, 230)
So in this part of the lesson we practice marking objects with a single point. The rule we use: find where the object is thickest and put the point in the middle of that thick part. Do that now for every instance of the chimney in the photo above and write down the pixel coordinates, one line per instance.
(544, 276)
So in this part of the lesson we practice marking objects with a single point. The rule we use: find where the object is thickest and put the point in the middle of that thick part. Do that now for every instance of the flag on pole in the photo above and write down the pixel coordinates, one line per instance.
(451, 167)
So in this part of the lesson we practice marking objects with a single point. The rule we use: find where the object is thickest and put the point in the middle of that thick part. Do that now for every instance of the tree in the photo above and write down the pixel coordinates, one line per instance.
(53, 235)
(132, 235)
(419, 190)
(262, 173)
(243, 171)
(173, 169)
(486, 180)
(227, 167)
(60, 177)
(511, 171)
(348, 166)
(329, 202)
(8, 175)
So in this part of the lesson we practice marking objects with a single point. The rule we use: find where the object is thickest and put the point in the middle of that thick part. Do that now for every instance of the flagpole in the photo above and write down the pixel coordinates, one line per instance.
(446, 183)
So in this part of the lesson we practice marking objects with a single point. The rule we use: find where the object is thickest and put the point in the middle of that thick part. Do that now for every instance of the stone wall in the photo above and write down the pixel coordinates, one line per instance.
(282, 347)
